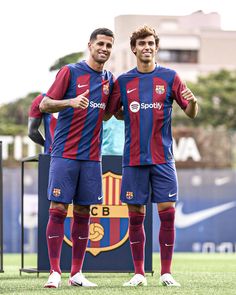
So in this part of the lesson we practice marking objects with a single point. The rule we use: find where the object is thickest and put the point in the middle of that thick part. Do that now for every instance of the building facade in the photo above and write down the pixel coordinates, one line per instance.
(192, 44)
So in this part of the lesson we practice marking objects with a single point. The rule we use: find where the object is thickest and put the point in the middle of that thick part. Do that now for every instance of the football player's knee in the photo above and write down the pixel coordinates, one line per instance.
(82, 209)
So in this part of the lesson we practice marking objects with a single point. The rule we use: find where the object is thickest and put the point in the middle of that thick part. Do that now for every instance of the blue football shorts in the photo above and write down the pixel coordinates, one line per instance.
(159, 181)
(75, 181)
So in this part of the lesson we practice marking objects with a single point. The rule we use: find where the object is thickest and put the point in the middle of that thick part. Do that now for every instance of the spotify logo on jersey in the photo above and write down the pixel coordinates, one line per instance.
(134, 106)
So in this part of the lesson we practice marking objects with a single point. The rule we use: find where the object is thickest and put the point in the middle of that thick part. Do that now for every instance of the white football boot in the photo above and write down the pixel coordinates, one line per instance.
(167, 280)
(79, 280)
(137, 280)
(54, 280)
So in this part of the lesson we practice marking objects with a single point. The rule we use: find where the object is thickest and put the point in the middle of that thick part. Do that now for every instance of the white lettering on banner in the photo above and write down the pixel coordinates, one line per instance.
(31, 146)
(211, 247)
(225, 247)
(186, 148)
(18, 143)
(208, 247)
(17, 148)
(6, 141)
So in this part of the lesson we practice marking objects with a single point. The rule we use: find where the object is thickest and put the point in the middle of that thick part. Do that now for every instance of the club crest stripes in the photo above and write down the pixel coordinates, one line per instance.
(111, 189)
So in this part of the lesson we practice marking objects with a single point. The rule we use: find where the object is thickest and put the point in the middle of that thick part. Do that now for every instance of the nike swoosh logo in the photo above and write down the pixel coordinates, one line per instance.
(172, 195)
(130, 90)
(99, 198)
(82, 85)
(222, 180)
(75, 283)
(183, 220)
(169, 245)
(81, 238)
(134, 242)
(53, 237)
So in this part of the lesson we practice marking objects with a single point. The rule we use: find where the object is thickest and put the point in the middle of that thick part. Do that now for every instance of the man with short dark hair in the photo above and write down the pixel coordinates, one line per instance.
(75, 168)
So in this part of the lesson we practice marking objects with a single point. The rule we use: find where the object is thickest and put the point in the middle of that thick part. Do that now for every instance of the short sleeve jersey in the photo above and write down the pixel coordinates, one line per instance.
(49, 121)
(147, 100)
(78, 133)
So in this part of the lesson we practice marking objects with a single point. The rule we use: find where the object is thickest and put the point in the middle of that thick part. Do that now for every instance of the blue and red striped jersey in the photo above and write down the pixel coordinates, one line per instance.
(78, 133)
(49, 121)
(147, 100)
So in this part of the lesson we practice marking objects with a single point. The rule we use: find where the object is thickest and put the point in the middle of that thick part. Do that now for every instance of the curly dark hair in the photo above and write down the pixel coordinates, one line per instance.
(141, 33)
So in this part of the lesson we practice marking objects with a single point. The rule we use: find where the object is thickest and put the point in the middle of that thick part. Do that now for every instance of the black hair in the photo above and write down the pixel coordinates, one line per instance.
(101, 31)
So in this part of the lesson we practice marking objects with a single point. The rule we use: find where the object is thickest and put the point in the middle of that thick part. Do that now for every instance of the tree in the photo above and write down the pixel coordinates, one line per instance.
(216, 94)
(14, 115)
(67, 59)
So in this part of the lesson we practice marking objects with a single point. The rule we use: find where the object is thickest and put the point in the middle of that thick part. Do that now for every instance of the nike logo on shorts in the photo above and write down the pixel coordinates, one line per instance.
(172, 195)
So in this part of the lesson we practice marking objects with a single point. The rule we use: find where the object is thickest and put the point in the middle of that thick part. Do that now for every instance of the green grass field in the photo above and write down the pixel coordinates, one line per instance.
(198, 274)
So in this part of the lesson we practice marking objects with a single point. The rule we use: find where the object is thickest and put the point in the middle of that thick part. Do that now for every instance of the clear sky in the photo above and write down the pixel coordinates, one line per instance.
(35, 33)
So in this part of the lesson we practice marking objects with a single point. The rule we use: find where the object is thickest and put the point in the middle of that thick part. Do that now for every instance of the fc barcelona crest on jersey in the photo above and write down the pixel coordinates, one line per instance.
(108, 228)
(105, 88)
(160, 89)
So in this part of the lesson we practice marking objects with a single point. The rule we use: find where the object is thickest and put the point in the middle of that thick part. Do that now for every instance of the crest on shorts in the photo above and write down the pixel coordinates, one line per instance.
(129, 195)
(56, 192)
(160, 89)
(109, 222)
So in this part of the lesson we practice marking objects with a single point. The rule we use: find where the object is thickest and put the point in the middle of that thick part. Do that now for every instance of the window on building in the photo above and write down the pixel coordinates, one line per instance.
(178, 56)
